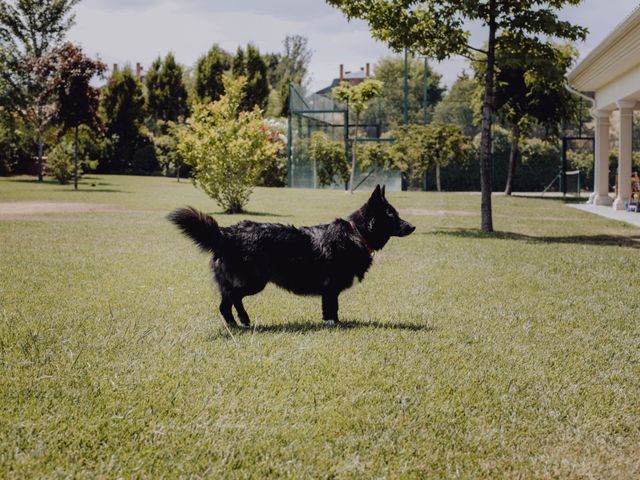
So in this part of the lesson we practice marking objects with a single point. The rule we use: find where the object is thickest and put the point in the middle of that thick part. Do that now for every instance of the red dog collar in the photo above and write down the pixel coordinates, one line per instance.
(361, 237)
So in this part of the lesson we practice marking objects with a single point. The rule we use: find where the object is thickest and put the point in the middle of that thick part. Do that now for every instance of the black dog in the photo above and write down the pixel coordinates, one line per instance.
(319, 260)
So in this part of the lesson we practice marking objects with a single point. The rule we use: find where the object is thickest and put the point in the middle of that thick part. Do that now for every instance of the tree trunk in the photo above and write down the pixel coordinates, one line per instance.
(487, 110)
(75, 160)
(315, 173)
(513, 158)
(178, 172)
(40, 151)
(438, 186)
(353, 156)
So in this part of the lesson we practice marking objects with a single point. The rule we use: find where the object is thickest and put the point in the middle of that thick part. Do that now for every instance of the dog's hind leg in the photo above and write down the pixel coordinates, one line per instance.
(225, 310)
(330, 307)
(242, 313)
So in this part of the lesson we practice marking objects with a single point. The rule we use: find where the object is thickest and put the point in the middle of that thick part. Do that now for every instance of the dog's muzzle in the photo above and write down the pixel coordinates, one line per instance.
(405, 229)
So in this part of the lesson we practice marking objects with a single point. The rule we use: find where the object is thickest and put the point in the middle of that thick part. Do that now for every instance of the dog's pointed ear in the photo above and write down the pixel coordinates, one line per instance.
(376, 195)
(383, 192)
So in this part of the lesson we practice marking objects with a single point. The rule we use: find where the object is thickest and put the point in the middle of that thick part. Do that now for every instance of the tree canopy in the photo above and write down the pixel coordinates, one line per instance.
(530, 90)
(456, 107)
(253, 67)
(29, 32)
(123, 106)
(209, 70)
(77, 100)
(357, 98)
(439, 29)
(166, 91)
(387, 109)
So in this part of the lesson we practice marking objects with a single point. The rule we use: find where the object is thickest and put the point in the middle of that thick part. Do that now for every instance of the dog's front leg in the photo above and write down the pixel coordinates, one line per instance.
(330, 307)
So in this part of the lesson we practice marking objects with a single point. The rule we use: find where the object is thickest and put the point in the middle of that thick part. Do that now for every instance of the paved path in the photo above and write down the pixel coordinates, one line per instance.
(632, 218)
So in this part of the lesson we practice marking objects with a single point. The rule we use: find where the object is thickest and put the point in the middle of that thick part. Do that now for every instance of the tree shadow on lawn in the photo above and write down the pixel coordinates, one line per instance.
(83, 187)
(308, 327)
(632, 241)
(582, 199)
(92, 190)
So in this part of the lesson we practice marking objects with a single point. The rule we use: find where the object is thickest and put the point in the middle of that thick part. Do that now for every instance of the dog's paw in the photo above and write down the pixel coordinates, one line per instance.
(331, 323)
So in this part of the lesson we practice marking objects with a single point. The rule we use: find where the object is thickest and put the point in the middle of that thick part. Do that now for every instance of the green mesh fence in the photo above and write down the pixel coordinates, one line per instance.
(310, 113)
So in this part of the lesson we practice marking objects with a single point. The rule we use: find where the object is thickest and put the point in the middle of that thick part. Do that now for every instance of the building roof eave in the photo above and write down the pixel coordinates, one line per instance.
(609, 59)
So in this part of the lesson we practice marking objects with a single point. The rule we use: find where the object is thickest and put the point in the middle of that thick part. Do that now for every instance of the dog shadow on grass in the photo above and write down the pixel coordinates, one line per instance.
(310, 327)
(631, 241)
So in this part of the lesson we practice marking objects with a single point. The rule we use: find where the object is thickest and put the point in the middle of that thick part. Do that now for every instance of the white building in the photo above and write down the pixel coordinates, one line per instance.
(611, 72)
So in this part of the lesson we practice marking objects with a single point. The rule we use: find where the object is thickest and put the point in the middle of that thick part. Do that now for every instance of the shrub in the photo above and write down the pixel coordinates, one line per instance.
(329, 159)
(540, 163)
(374, 155)
(275, 173)
(227, 148)
(60, 162)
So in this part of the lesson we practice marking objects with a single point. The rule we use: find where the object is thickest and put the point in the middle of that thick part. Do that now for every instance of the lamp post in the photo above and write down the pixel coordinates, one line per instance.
(405, 105)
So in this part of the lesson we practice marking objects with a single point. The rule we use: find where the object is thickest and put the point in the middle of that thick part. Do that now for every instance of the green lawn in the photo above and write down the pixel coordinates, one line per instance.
(513, 355)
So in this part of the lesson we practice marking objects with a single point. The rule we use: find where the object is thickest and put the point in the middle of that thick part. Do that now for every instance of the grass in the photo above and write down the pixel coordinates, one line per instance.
(463, 355)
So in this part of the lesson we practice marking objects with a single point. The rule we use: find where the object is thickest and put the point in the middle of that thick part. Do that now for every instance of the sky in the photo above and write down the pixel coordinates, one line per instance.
(130, 31)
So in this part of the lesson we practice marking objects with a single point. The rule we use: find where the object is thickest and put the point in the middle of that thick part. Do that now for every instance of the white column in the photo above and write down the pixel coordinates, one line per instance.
(624, 158)
(601, 170)
(592, 196)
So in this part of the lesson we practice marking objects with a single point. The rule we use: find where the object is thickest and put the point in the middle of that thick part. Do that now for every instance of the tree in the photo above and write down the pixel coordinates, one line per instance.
(123, 106)
(166, 148)
(209, 71)
(409, 154)
(357, 97)
(239, 64)
(29, 32)
(257, 87)
(530, 90)
(166, 91)
(437, 29)
(456, 107)
(77, 100)
(387, 109)
(291, 65)
(377, 155)
(420, 148)
(284, 97)
(443, 144)
(295, 59)
(154, 89)
(272, 61)
(227, 147)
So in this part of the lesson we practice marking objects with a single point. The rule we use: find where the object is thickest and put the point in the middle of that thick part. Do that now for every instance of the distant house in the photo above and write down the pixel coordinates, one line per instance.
(610, 74)
(354, 78)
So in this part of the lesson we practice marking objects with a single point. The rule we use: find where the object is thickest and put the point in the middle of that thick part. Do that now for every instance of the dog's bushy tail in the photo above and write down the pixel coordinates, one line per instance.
(198, 226)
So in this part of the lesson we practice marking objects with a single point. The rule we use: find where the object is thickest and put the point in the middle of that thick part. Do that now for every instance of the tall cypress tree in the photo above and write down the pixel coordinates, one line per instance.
(166, 91)
(209, 70)
(257, 89)
(123, 106)
(154, 91)
(239, 64)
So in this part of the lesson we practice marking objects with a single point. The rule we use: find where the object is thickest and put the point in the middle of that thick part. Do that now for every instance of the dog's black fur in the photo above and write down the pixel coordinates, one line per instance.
(319, 260)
